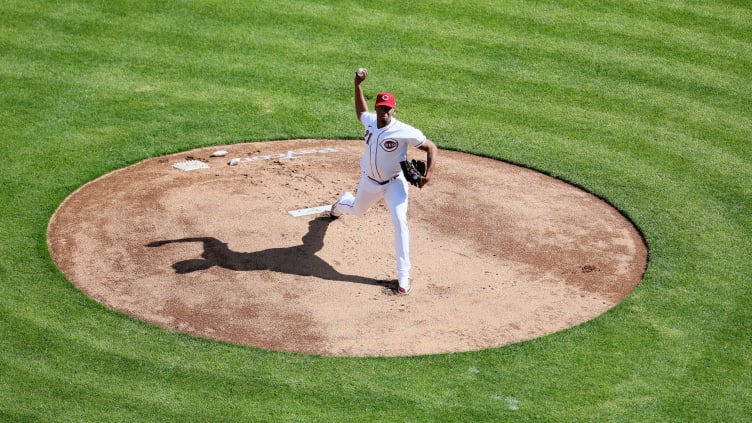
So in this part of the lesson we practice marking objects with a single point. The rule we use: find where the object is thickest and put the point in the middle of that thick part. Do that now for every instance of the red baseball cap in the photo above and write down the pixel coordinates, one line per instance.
(386, 99)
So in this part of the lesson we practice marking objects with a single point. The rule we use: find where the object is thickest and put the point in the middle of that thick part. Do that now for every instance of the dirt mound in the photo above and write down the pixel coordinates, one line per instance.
(214, 251)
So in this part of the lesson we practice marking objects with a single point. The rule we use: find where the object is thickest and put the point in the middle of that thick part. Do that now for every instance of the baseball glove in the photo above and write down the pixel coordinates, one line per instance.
(414, 171)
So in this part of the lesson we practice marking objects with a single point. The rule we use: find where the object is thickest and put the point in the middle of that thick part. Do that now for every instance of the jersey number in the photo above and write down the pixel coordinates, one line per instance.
(367, 136)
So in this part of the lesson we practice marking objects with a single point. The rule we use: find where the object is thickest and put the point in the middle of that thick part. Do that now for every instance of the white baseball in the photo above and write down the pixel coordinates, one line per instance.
(361, 72)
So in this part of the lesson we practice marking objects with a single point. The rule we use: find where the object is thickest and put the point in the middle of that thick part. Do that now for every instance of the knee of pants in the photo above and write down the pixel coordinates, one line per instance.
(400, 227)
(400, 221)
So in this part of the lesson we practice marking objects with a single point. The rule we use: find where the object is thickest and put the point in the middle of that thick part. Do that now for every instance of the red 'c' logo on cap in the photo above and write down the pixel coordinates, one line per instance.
(385, 97)
(390, 145)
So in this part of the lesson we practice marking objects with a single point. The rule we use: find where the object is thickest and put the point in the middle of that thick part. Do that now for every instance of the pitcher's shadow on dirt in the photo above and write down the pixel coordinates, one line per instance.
(296, 260)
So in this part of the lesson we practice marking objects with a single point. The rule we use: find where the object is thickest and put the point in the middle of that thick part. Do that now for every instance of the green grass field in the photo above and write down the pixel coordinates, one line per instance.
(644, 103)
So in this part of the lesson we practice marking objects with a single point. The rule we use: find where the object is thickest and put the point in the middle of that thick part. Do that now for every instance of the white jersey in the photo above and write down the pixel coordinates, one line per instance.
(387, 147)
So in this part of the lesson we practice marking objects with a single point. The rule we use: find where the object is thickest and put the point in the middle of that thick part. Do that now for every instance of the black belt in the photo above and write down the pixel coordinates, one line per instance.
(384, 182)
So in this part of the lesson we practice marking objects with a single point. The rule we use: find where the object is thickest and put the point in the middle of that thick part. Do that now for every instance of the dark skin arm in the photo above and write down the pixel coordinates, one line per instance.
(431, 152)
(360, 101)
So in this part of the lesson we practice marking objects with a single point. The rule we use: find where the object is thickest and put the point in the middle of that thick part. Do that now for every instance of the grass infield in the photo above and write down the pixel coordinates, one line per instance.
(644, 103)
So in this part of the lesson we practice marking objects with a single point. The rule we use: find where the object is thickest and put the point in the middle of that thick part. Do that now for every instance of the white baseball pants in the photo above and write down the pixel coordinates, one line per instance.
(394, 194)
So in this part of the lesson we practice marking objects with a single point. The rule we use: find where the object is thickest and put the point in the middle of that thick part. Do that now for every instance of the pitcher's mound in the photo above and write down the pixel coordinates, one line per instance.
(500, 253)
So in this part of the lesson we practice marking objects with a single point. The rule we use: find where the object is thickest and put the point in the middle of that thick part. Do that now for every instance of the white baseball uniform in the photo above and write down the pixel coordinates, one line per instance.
(382, 177)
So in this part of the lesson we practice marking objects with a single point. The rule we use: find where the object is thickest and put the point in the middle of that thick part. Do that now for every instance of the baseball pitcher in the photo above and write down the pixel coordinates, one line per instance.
(385, 171)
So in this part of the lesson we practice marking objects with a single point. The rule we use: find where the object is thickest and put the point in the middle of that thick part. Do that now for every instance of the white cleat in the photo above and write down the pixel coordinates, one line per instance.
(334, 213)
(404, 286)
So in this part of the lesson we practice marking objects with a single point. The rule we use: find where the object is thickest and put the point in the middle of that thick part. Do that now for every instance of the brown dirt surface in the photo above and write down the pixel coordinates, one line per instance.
(501, 253)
